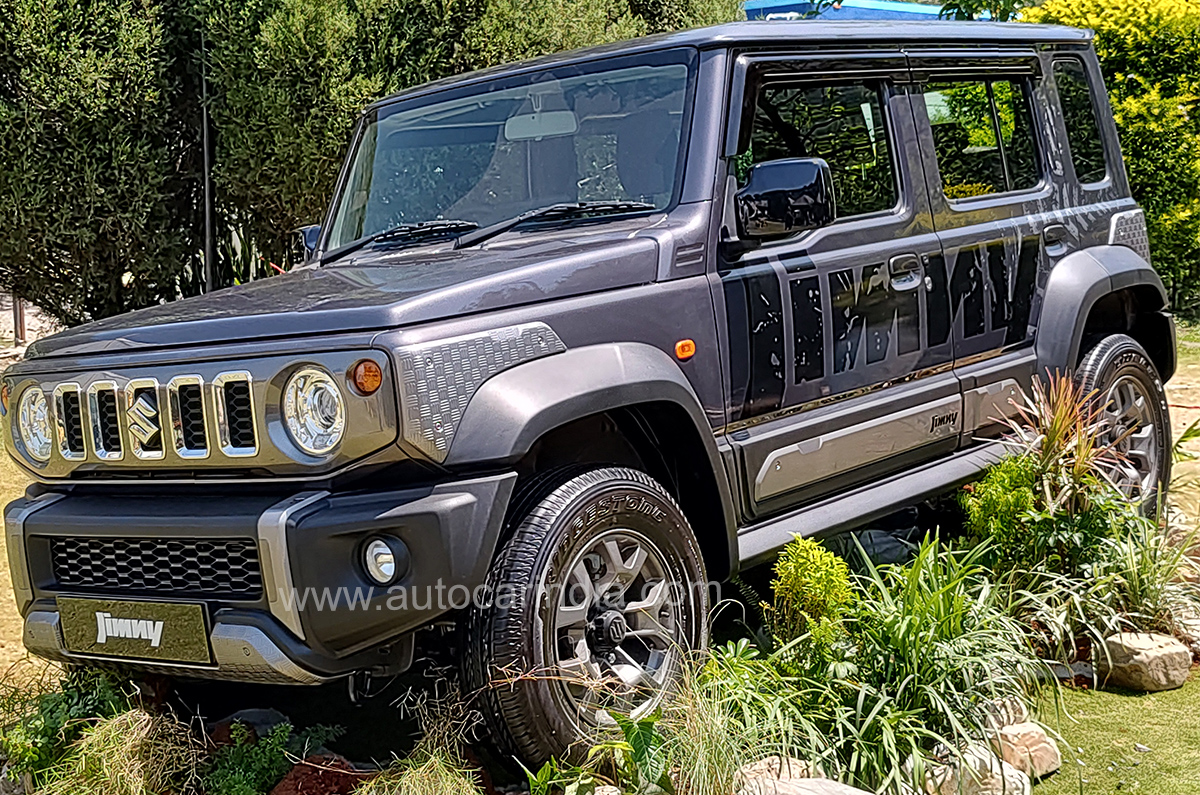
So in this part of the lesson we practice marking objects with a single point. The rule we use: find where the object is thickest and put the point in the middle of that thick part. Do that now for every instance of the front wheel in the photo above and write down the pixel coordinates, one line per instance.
(1120, 373)
(594, 602)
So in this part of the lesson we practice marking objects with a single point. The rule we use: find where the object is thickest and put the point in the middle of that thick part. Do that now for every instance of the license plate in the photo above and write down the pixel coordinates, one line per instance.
(168, 631)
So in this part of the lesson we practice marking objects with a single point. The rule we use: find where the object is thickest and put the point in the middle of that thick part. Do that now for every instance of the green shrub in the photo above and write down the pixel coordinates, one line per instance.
(1150, 56)
(253, 766)
(98, 157)
(933, 644)
(925, 648)
(1154, 578)
(811, 590)
(1007, 509)
(737, 705)
(1050, 507)
(40, 730)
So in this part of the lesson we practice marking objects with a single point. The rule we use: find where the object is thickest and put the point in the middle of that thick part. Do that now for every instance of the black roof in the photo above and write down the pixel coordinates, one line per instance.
(818, 33)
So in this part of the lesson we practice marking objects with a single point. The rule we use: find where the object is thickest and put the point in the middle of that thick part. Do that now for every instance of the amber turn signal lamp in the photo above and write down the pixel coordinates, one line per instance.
(5, 394)
(685, 349)
(367, 377)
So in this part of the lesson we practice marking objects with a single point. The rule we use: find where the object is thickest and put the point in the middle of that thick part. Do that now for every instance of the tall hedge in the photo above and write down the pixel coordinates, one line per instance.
(1150, 55)
(97, 189)
(100, 136)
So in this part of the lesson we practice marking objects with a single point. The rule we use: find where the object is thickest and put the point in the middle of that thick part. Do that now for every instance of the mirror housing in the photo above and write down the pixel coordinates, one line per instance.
(784, 198)
(310, 236)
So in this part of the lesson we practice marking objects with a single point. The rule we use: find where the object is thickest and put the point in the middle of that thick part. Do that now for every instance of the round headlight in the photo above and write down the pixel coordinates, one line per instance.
(33, 422)
(314, 411)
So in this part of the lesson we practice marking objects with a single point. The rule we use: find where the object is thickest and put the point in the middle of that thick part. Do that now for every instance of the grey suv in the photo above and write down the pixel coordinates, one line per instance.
(579, 336)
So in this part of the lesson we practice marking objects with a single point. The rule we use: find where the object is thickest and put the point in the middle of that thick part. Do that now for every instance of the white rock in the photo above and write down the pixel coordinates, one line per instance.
(809, 786)
(606, 789)
(771, 775)
(1028, 748)
(979, 772)
(1144, 661)
(1006, 712)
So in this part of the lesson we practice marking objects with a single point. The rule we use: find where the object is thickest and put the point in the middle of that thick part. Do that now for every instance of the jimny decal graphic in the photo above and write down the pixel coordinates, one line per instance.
(130, 628)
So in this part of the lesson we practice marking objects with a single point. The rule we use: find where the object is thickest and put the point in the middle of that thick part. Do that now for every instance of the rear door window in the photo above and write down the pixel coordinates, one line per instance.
(1081, 119)
(984, 137)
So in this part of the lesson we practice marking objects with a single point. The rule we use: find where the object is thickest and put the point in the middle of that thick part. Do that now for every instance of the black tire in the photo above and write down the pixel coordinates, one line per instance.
(513, 645)
(1114, 364)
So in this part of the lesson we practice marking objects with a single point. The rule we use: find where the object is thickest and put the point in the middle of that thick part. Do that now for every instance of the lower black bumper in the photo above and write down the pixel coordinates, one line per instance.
(311, 614)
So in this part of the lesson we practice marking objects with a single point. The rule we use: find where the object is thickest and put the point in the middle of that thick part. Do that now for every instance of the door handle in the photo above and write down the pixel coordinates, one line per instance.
(903, 265)
(1054, 234)
(904, 270)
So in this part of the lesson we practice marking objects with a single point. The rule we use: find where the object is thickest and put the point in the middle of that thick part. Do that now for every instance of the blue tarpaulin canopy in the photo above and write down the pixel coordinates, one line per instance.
(846, 10)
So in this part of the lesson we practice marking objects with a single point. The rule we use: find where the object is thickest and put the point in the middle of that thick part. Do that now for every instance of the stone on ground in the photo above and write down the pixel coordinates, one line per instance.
(1006, 712)
(806, 786)
(771, 775)
(979, 772)
(1144, 661)
(1028, 748)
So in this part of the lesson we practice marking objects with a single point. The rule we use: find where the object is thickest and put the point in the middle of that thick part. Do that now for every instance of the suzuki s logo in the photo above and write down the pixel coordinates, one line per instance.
(143, 419)
(131, 628)
(943, 421)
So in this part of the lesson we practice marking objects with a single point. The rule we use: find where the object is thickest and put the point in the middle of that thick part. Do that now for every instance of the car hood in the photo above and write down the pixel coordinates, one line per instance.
(377, 290)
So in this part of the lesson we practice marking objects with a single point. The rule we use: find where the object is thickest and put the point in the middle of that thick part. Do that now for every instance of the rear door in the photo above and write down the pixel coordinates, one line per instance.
(984, 135)
(833, 376)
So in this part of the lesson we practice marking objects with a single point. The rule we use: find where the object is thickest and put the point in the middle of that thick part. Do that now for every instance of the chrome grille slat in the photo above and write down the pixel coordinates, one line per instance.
(68, 420)
(104, 420)
(188, 427)
(233, 406)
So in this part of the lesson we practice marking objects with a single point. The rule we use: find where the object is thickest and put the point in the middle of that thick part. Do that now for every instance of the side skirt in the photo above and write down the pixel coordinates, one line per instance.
(758, 543)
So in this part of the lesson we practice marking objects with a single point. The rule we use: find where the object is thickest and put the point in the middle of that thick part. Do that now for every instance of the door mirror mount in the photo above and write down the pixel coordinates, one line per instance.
(310, 236)
(783, 198)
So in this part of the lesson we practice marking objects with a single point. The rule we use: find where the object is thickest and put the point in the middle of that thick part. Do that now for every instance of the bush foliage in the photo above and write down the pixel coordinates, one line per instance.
(1150, 56)
(101, 182)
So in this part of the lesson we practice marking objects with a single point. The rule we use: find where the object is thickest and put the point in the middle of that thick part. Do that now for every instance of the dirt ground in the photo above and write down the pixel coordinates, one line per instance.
(1183, 392)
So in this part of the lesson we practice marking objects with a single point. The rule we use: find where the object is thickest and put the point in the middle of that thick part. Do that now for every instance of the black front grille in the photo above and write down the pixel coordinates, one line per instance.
(110, 429)
(238, 414)
(226, 567)
(72, 422)
(191, 417)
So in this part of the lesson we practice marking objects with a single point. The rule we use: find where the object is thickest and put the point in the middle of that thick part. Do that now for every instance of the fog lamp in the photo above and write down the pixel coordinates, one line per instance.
(385, 560)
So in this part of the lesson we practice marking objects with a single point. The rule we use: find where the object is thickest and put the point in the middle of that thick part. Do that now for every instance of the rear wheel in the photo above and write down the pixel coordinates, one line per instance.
(596, 598)
(1135, 414)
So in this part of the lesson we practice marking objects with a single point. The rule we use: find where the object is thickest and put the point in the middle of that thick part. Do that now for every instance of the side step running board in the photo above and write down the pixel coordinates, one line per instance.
(759, 543)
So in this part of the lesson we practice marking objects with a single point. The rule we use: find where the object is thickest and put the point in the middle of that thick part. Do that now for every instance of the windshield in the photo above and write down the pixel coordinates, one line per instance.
(606, 130)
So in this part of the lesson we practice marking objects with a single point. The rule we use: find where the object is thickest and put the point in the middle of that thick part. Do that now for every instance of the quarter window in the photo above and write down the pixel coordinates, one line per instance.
(842, 123)
(1080, 117)
(983, 135)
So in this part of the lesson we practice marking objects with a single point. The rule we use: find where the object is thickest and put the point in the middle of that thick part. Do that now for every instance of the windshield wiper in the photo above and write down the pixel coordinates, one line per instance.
(405, 233)
(575, 210)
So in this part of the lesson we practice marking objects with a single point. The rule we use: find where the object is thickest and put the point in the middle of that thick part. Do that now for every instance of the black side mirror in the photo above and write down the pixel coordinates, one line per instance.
(309, 237)
(785, 197)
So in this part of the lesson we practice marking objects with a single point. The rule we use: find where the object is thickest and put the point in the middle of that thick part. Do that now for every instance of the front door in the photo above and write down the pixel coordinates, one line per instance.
(837, 374)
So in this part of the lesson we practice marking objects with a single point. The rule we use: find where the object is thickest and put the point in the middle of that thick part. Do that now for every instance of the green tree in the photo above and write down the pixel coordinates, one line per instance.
(94, 165)
(101, 185)
(1150, 56)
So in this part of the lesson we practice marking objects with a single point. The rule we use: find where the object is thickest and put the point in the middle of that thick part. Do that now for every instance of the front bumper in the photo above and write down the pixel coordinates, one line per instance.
(316, 615)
